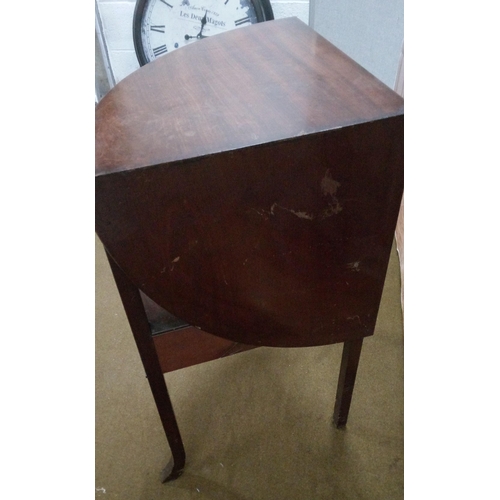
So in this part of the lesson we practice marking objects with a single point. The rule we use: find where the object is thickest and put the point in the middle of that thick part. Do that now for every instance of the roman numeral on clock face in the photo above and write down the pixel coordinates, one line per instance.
(159, 28)
(160, 50)
(243, 20)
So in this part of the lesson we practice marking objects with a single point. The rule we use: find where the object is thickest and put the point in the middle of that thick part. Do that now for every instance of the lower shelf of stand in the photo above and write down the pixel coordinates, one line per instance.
(179, 345)
(190, 346)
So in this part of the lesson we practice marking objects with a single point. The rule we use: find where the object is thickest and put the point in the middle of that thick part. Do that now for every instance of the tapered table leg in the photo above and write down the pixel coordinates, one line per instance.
(347, 377)
(139, 325)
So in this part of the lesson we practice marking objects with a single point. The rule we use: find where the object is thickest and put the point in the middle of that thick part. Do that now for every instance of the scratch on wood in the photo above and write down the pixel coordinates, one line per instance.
(329, 187)
(174, 262)
(354, 266)
(328, 184)
(355, 317)
(331, 210)
(299, 213)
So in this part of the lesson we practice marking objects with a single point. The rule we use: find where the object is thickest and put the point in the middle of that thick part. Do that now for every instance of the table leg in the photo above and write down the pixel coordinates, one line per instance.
(347, 377)
(139, 324)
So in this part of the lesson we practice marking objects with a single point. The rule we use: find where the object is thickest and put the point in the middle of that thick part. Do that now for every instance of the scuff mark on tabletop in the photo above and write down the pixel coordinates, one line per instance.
(271, 212)
(354, 266)
(301, 214)
(352, 318)
(329, 187)
(174, 261)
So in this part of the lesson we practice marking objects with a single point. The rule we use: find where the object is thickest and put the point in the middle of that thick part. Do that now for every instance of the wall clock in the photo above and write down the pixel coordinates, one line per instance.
(160, 26)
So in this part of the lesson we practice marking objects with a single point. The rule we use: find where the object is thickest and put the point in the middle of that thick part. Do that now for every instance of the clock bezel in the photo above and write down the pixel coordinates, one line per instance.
(263, 11)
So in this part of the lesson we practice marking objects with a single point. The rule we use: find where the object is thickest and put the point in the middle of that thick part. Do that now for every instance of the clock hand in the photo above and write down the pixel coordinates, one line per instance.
(203, 22)
(187, 37)
(199, 35)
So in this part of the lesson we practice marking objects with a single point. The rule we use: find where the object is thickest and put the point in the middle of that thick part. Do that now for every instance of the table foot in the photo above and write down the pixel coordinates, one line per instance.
(171, 472)
(348, 368)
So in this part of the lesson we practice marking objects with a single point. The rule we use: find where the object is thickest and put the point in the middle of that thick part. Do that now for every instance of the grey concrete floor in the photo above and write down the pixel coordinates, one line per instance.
(256, 425)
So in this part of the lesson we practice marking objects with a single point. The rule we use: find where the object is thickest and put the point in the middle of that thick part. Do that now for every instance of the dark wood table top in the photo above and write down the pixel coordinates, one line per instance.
(250, 185)
(268, 82)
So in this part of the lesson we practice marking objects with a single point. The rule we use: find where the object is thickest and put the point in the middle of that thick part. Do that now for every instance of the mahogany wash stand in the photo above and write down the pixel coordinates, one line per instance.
(247, 192)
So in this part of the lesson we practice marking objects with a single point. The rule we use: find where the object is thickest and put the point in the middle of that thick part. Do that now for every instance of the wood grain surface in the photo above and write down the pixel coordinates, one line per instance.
(250, 185)
(266, 82)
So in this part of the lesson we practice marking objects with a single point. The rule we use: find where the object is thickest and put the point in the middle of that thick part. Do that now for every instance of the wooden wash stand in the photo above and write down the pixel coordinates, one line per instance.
(248, 184)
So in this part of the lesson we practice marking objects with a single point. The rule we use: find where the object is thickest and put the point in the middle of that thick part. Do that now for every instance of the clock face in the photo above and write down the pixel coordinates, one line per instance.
(161, 26)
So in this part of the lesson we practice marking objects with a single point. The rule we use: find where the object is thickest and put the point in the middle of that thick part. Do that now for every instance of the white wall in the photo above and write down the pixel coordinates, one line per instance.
(116, 24)
(368, 31)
